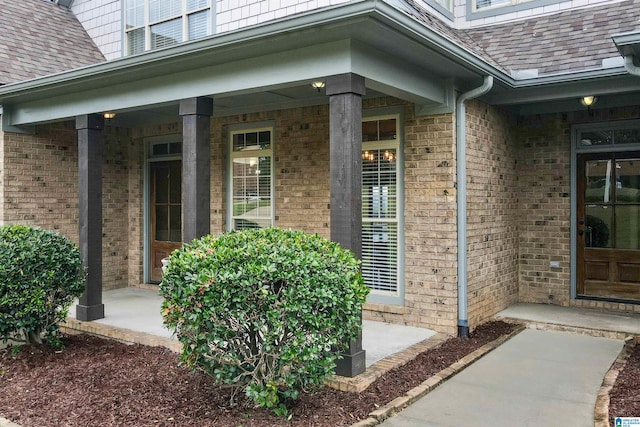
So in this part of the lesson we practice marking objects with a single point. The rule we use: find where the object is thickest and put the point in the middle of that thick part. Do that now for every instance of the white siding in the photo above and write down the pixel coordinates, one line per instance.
(102, 21)
(235, 14)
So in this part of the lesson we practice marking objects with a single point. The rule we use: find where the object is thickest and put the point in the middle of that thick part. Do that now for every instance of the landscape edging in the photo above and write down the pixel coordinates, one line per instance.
(399, 403)
(601, 409)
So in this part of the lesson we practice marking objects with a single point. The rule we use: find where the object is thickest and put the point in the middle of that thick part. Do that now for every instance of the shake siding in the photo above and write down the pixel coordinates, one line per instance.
(235, 14)
(102, 20)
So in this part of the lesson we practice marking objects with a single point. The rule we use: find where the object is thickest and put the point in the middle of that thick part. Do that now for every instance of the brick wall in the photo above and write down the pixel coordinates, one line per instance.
(492, 212)
(430, 221)
(301, 179)
(40, 181)
(115, 208)
(301, 166)
(544, 161)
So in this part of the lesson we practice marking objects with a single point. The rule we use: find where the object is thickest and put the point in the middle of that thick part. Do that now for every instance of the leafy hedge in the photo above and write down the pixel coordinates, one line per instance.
(40, 275)
(262, 310)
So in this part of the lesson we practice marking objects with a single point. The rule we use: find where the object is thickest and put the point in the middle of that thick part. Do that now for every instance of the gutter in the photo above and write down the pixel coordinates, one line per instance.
(461, 199)
(631, 68)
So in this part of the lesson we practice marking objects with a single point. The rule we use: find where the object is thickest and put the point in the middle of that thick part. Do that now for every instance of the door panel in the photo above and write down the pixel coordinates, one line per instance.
(166, 213)
(609, 225)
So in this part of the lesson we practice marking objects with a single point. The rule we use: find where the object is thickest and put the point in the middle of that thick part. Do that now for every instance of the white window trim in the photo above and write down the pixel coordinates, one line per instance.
(380, 296)
(473, 12)
(234, 130)
(506, 4)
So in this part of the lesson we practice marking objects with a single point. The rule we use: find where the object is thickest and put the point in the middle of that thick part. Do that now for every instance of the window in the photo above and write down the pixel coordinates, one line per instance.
(153, 24)
(381, 207)
(251, 194)
(487, 4)
(445, 3)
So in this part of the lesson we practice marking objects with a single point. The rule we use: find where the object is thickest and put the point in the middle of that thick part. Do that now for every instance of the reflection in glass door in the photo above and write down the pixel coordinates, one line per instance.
(609, 225)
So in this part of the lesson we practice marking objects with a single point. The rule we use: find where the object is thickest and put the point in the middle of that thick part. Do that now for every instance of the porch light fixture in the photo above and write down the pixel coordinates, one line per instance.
(318, 85)
(589, 101)
(109, 115)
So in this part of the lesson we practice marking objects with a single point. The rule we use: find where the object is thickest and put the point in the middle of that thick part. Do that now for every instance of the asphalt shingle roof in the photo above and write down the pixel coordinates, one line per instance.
(574, 40)
(38, 38)
(568, 41)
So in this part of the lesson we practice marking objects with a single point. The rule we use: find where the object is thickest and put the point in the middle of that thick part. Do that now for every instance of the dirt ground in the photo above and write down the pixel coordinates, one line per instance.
(94, 381)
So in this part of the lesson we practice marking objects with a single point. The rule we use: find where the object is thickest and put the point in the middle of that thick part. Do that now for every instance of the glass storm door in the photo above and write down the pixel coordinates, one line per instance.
(608, 258)
(166, 213)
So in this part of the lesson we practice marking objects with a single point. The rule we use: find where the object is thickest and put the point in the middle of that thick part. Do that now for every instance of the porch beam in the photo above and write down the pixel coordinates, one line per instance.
(196, 188)
(90, 158)
(345, 93)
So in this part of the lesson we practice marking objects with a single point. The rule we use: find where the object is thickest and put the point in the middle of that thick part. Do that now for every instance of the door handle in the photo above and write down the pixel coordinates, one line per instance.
(581, 222)
(580, 232)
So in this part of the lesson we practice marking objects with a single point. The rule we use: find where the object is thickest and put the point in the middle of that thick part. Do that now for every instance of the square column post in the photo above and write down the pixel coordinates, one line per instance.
(345, 93)
(196, 167)
(90, 156)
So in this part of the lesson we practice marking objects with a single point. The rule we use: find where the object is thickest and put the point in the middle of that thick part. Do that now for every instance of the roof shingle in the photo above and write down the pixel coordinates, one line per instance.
(569, 41)
(38, 38)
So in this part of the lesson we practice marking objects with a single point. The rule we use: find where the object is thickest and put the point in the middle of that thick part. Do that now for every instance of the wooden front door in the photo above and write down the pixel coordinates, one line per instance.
(166, 213)
(608, 258)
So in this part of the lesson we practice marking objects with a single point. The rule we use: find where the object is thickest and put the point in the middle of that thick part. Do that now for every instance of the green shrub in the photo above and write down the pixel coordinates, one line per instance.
(261, 310)
(40, 275)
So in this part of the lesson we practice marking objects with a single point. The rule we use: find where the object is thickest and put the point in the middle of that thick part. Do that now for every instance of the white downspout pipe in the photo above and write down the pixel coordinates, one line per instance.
(461, 199)
(630, 66)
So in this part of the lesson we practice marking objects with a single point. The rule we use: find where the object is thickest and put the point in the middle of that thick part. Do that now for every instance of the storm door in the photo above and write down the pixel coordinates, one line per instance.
(608, 215)
(165, 213)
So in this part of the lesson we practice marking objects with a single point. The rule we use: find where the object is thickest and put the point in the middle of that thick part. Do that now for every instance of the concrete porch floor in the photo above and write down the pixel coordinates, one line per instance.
(572, 319)
(138, 309)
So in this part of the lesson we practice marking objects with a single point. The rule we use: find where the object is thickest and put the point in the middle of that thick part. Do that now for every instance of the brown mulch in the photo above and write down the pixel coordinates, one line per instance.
(94, 381)
(625, 394)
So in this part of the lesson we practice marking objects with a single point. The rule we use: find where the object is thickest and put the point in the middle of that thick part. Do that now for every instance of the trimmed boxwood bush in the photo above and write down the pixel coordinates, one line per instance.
(40, 275)
(262, 311)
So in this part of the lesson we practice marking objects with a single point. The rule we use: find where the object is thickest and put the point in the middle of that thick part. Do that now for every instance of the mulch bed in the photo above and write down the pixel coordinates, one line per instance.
(94, 381)
(625, 394)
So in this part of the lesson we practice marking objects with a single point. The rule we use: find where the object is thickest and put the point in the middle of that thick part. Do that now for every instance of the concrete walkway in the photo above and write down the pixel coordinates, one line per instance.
(538, 378)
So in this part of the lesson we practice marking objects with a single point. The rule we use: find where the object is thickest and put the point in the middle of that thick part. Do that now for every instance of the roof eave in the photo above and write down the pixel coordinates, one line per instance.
(165, 60)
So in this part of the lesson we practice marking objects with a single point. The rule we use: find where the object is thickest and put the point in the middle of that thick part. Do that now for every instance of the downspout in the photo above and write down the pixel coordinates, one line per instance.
(630, 66)
(461, 173)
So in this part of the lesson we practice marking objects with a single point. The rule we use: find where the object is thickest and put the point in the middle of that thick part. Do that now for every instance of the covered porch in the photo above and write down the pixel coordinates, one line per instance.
(132, 315)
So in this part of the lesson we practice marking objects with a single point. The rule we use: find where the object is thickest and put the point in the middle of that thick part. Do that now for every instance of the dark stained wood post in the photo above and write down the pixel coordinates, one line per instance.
(196, 164)
(345, 93)
(90, 154)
